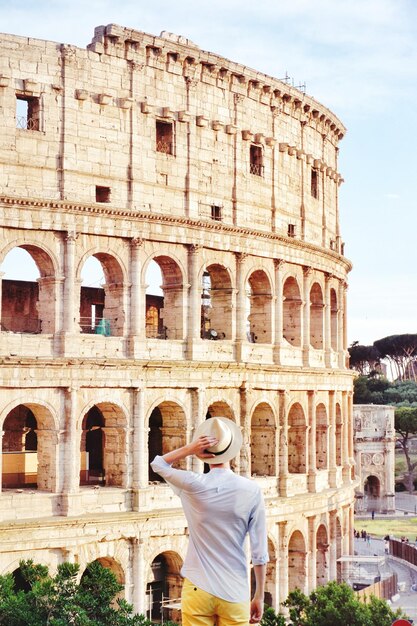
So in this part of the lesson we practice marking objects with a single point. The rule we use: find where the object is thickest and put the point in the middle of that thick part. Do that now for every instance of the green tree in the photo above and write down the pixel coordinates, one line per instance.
(60, 601)
(364, 359)
(406, 426)
(337, 605)
(271, 618)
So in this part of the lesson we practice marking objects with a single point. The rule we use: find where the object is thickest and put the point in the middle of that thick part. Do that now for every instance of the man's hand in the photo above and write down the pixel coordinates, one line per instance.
(197, 447)
(256, 611)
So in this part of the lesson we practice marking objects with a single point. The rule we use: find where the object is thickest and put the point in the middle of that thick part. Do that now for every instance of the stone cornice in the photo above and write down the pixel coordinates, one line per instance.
(145, 216)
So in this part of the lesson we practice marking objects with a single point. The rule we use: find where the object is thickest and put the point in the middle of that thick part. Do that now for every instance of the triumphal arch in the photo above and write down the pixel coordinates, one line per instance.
(144, 152)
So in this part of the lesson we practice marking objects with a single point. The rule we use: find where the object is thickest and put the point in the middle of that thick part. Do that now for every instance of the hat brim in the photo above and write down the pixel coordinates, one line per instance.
(232, 450)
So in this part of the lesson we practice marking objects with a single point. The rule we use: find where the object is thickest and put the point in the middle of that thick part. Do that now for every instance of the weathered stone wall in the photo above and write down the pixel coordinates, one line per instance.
(143, 149)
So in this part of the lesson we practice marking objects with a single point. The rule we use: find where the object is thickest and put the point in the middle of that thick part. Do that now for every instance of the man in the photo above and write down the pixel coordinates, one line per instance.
(221, 509)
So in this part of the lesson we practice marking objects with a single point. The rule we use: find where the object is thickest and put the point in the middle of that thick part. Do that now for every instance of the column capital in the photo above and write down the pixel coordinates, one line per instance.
(136, 242)
(71, 236)
(279, 263)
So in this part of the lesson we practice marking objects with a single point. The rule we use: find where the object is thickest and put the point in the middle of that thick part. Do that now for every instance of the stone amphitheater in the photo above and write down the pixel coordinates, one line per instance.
(147, 151)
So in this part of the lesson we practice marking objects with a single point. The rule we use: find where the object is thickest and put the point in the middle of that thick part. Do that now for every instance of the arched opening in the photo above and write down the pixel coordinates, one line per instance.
(260, 300)
(164, 299)
(372, 491)
(163, 588)
(333, 319)
(28, 449)
(263, 441)
(103, 446)
(296, 562)
(297, 433)
(216, 303)
(322, 443)
(271, 572)
(167, 431)
(322, 547)
(112, 565)
(28, 291)
(292, 306)
(316, 316)
(101, 299)
(19, 581)
(338, 434)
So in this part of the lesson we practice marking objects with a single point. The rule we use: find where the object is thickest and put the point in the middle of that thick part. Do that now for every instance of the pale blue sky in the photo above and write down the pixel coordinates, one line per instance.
(357, 57)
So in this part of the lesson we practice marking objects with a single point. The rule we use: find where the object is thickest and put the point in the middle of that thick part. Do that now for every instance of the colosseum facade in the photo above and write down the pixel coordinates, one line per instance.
(145, 151)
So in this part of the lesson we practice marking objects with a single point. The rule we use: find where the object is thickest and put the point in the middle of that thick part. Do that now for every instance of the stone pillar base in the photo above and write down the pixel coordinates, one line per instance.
(71, 504)
(312, 482)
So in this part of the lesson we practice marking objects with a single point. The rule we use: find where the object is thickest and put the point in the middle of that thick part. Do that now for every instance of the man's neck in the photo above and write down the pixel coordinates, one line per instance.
(220, 465)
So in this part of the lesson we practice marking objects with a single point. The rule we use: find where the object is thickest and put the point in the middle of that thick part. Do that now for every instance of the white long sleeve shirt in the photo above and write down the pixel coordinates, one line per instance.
(221, 508)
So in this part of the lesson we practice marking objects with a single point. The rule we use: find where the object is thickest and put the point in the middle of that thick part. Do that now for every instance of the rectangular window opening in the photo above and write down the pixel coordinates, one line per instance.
(216, 213)
(291, 230)
(27, 112)
(314, 183)
(164, 137)
(256, 160)
(103, 194)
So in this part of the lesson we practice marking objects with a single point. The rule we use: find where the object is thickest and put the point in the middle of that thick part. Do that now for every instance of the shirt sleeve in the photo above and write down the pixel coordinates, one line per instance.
(257, 532)
(177, 479)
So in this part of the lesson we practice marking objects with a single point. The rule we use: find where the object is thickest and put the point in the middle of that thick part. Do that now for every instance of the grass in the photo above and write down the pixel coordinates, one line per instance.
(400, 464)
(396, 528)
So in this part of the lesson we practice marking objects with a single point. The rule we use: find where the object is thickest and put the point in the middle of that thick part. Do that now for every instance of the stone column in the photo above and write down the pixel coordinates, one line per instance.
(312, 559)
(139, 576)
(327, 322)
(137, 298)
(70, 471)
(194, 299)
(332, 546)
(332, 439)
(311, 433)
(345, 442)
(341, 323)
(69, 283)
(283, 442)
(282, 562)
(140, 454)
(241, 321)
(198, 417)
(245, 424)
(306, 315)
(279, 304)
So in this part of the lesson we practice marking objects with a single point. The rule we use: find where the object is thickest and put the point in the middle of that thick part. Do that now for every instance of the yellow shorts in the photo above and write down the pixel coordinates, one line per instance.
(199, 608)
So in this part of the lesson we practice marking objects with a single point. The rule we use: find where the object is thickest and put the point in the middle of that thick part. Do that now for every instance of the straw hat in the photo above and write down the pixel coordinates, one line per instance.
(228, 434)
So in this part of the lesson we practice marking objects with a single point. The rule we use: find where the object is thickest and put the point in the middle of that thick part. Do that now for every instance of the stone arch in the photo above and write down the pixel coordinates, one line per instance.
(322, 442)
(316, 316)
(292, 307)
(333, 319)
(372, 492)
(30, 464)
(103, 445)
(263, 441)
(113, 565)
(297, 562)
(322, 547)
(170, 309)
(30, 306)
(216, 303)
(297, 439)
(167, 431)
(260, 309)
(164, 581)
(102, 308)
(338, 435)
(220, 408)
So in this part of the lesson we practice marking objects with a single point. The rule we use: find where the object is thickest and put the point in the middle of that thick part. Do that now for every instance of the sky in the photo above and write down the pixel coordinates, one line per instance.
(359, 59)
